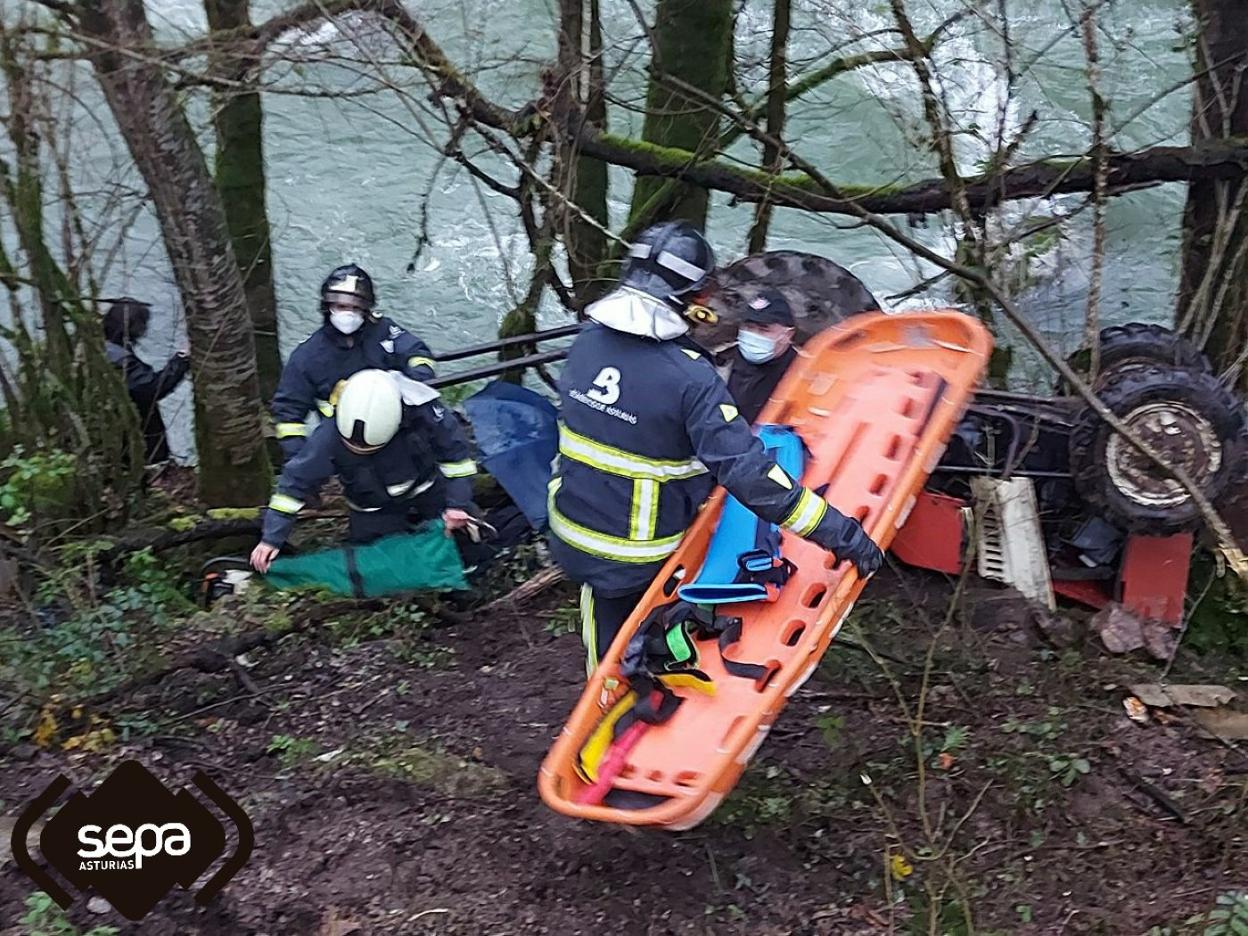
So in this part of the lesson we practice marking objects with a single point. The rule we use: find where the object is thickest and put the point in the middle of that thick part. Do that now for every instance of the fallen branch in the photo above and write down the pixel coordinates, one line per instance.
(1124, 171)
(219, 655)
(527, 591)
(1157, 795)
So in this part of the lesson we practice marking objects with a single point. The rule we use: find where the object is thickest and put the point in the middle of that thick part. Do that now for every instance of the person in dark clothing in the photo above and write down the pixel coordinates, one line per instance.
(401, 457)
(125, 323)
(647, 430)
(764, 352)
(352, 338)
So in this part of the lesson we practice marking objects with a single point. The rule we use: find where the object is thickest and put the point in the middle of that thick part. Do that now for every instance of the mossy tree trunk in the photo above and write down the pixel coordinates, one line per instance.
(233, 463)
(239, 170)
(582, 180)
(692, 42)
(1213, 290)
(60, 391)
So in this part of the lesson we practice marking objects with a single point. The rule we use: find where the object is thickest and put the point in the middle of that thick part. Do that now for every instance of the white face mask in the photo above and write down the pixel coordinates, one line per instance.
(346, 321)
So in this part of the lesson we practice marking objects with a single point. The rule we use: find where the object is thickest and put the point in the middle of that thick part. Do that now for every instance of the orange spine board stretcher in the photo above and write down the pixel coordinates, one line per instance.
(875, 399)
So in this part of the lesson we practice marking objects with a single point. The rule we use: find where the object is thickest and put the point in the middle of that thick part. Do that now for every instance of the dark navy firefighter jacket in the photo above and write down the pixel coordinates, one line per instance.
(426, 467)
(648, 429)
(327, 357)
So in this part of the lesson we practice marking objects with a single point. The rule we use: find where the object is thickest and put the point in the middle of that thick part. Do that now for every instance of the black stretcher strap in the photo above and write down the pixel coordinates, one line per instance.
(353, 573)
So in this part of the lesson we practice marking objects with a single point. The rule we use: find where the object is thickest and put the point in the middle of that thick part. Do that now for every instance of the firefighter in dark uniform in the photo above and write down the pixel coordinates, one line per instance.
(400, 455)
(647, 430)
(352, 338)
(125, 323)
(764, 351)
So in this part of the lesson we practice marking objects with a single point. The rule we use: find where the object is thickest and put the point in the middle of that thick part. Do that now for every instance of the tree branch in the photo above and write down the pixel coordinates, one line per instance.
(839, 66)
(1221, 160)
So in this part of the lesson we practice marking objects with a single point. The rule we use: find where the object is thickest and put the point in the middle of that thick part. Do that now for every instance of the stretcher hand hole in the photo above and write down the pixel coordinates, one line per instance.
(814, 595)
(773, 667)
(894, 448)
(673, 581)
(877, 486)
(793, 633)
(687, 778)
(908, 407)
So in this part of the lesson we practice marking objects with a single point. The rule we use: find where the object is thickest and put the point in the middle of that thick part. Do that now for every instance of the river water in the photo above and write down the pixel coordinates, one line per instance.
(346, 175)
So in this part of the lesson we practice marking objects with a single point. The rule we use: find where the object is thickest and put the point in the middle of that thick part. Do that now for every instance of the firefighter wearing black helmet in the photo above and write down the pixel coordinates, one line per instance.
(648, 428)
(352, 338)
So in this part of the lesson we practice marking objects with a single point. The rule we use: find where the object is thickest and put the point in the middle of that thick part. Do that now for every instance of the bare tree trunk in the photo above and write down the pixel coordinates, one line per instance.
(238, 119)
(1213, 289)
(1092, 321)
(233, 464)
(582, 179)
(777, 93)
(61, 393)
(691, 43)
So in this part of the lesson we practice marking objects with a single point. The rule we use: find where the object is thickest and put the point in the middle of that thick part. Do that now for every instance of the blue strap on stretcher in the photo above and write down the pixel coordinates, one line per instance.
(744, 554)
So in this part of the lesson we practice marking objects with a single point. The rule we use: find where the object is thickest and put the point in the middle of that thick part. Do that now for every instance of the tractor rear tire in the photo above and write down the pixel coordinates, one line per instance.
(1188, 417)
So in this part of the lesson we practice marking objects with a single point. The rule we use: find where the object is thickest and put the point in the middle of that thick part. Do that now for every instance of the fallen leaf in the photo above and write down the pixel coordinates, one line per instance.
(45, 731)
(1223, 723)
(1156, 695)
(93, 741)
(900, 868)
(334, 925)
(1137, 711)
(945, 760)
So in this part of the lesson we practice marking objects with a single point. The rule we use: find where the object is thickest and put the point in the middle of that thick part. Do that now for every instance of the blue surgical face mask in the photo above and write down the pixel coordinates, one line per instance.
(756, 348)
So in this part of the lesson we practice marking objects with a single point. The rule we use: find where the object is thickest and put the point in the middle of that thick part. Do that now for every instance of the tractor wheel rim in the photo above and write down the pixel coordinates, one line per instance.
(1183, 437)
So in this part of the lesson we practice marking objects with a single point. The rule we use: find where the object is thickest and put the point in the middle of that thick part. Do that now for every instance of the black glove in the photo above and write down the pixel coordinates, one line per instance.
(862, 551)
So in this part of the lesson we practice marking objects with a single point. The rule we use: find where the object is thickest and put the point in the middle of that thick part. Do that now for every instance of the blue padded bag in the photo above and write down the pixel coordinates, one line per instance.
(745, 549)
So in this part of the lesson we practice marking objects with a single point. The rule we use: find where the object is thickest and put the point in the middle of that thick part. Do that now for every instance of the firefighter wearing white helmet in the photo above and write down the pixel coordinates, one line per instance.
(647, 430)
(400, 455)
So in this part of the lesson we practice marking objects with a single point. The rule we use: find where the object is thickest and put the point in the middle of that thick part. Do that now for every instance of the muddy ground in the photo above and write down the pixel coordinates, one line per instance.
(389, 770)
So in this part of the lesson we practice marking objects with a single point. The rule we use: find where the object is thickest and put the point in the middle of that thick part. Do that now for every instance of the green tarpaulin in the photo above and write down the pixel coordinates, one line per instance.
(423, 559)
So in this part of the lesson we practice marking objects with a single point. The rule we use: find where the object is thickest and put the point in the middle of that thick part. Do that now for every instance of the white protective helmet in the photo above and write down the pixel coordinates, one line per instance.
(369, 411)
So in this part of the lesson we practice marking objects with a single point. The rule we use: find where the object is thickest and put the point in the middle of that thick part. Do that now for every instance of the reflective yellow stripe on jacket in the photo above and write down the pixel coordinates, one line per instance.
(616, 461)
(803, 518)
(284, 503)
(605, 546)
(289, 430)
(460, 469)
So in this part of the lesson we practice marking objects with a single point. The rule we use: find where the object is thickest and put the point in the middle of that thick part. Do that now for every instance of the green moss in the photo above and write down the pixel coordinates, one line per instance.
(233, 513)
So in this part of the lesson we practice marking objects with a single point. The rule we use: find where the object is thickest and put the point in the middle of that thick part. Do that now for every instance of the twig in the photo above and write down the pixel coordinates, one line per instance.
(223, 702)
(1157, 795)
(525, 591)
